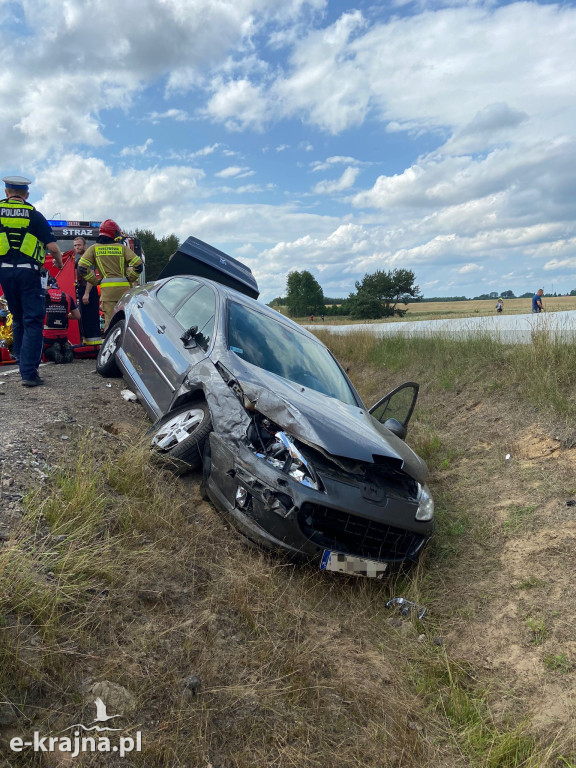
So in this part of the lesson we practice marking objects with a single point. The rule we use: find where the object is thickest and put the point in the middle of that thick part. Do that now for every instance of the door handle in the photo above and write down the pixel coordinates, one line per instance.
(139, 304)
(161, 328)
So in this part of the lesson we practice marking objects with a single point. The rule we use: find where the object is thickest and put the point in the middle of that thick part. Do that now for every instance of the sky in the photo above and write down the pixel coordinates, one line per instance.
(333, 136)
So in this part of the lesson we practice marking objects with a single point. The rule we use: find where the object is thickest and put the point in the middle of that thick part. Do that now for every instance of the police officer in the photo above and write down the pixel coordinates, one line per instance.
(117, 265)
(25, 235)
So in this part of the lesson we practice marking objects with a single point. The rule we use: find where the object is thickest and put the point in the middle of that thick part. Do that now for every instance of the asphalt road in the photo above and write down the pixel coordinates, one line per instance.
(512, 329)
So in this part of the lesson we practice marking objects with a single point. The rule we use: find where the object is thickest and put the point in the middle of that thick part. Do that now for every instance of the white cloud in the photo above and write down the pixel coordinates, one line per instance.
(238, 104)
(338, 185)
(179, 115)
(234, 171)
(467, 268)
(136, 151)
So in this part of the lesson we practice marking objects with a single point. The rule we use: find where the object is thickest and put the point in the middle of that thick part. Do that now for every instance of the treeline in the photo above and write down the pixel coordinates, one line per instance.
(157, 251)
(377, 295)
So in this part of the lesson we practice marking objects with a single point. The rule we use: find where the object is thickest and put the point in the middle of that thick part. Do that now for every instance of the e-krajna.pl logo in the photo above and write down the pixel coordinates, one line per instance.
(79, 743)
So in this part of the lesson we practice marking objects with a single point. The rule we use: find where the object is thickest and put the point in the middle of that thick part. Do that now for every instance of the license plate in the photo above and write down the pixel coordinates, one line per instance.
(353, 566)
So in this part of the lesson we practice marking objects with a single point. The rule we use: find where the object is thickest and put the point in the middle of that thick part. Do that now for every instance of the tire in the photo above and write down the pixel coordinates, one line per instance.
(180, 435)
(106, 364)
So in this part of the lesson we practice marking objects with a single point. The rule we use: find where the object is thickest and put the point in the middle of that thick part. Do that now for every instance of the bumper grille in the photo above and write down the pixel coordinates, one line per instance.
(353, 535)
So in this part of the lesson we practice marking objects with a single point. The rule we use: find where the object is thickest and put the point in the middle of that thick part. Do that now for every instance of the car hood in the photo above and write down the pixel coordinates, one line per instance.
(341, 430)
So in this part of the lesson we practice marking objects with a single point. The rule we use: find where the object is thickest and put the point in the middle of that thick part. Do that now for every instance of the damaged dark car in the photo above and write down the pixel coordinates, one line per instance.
(287, 448)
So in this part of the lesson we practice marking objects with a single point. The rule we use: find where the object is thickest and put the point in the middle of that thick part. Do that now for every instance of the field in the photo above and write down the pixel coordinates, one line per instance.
(439, 310)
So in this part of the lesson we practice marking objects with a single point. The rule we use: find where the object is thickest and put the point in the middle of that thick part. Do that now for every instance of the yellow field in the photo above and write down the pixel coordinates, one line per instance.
(437, 310)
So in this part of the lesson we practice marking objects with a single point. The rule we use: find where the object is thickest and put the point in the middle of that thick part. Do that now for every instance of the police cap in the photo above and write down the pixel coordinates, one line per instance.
(17, 182)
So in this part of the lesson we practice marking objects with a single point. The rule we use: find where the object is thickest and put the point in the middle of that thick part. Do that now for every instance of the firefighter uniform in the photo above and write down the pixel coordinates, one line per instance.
(118, 267)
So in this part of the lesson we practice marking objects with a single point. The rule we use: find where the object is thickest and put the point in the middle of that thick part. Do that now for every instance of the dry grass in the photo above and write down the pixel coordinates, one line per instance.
(298, 668)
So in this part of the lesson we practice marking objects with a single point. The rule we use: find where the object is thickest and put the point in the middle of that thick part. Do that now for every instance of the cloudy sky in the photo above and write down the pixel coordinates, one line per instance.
(339, 137)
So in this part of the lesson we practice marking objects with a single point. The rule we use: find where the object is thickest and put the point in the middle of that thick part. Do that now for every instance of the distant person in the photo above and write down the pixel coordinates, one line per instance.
(88, 301)
(537, 301)
(311, 318)
(499, 305)
(322, 316)
(60, 308)
(25, 236)
(118, 266)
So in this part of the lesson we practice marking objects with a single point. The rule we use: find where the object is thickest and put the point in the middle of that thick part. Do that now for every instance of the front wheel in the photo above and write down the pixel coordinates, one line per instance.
(106, 364)
(180, 436)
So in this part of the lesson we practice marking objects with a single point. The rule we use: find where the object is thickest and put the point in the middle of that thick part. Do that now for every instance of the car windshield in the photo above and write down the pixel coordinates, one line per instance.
(260, 340)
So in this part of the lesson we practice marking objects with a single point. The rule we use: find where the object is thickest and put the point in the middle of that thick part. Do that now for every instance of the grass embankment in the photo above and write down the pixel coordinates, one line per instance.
(122, 573)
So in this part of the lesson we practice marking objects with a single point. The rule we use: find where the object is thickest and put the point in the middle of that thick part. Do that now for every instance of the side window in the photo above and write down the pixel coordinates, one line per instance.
(199, 311)
(173, 293)
(205, 334)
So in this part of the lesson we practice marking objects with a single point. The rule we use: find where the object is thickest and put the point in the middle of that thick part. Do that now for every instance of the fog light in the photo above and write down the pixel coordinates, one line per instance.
(241, 497)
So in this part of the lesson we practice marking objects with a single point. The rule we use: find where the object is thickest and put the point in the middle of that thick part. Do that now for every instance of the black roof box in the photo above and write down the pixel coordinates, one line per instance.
(194, 257)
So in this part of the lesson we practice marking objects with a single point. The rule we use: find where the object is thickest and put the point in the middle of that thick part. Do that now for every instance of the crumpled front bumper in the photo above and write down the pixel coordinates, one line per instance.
(279, 513)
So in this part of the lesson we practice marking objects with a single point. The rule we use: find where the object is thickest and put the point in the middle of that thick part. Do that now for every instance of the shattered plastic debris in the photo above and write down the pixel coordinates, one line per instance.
(571, 503)
(507, 456)
(108, 385)
(406, 606)
(129, 396)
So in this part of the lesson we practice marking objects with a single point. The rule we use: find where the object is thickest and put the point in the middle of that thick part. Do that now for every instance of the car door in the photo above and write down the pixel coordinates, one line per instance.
(395, 409)
(155, 332)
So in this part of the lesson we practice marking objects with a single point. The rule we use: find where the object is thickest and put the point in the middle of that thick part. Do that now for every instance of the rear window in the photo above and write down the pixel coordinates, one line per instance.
(262, 341)
(175, 291)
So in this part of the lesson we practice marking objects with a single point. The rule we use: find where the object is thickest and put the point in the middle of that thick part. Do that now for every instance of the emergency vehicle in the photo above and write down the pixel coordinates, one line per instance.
(65, 233)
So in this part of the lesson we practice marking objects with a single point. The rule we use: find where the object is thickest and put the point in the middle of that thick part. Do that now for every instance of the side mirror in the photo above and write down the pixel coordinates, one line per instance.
(396, 428)
(189, 337)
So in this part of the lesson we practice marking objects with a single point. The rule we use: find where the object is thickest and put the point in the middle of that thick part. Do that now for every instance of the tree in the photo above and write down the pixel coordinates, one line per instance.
(157, 251)
(360, 307)
(508, 295)
(388, 289)
(304, 296)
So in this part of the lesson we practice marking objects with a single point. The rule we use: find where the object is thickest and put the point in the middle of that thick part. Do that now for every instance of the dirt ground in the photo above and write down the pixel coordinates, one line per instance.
(35, 424)
(512, 579)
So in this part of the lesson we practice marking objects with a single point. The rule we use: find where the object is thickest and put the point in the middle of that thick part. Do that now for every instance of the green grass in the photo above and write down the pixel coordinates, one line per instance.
(538, 629)
(542, 374)
(558, 662)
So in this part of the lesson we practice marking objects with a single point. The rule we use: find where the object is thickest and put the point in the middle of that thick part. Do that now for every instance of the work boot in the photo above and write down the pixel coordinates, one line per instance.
(37, 382)
(54, 353)
(67, 353)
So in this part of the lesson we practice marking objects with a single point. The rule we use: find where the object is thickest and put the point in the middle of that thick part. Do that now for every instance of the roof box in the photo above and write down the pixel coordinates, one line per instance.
(194, 257)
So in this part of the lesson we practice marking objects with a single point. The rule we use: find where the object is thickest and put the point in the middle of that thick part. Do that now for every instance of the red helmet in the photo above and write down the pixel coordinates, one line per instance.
(109, 228)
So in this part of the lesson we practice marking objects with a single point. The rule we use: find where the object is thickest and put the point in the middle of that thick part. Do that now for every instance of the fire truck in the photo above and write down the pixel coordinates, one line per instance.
(64, 233)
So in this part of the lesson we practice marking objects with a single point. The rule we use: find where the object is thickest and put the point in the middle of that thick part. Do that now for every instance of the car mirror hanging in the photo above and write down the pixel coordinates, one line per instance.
(188, 337)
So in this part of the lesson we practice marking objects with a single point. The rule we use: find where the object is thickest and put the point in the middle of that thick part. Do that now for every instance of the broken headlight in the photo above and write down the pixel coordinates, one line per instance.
(425, 504)
(279, 449)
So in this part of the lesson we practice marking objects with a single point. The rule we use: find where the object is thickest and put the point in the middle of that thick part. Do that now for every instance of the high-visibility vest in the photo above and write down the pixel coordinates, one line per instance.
(15, 239)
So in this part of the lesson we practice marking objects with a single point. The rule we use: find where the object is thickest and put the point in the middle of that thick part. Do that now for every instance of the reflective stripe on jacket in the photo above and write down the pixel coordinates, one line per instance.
(110, 260)
(15, 240)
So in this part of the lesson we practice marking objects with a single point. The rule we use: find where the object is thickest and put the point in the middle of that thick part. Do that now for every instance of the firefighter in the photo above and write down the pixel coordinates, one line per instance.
(88, 301)
(60, 308)
(25, 235)
(117, 265)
